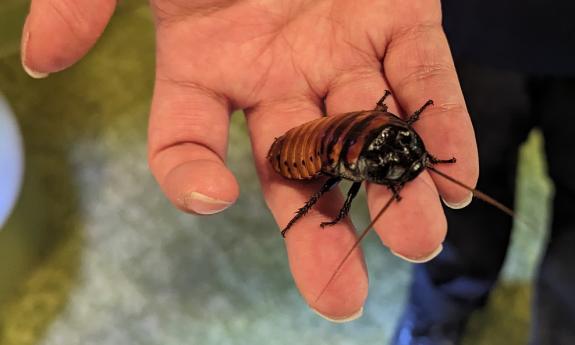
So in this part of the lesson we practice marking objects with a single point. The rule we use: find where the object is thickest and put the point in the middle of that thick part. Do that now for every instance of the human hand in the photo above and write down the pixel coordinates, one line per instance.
(284, 63)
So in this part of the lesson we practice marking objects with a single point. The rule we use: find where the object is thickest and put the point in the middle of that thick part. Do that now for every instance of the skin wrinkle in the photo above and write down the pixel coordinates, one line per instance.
(366, 56)
(193, 125)
(377, 54)
(77, 27)
(314, 89)
(366, 73)
(192, 119)
(412, 32)
(445, 109)
(424, 69)
(157, 156)
(160, 12)
(333, 23)
(288, 105)
(264, 77)
(273, 34)
(181, 10)
(64, 19)
(285, 31)
(230, 22)
(315, 67)
(187, 84)
(382, 37)
(424, 72)
(436, 110)
(280, 32)
(315, 92)
(260, 83)
(354, 74)
(162, 140)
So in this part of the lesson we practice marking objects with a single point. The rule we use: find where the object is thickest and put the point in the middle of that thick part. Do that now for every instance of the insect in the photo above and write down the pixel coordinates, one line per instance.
(374, 146)
(371, 145)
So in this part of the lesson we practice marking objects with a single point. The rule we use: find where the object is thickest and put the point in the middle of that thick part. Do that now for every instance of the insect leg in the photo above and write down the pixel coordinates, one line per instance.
(346, 205)
(435, 160)
(395, 190)
(332, 181)
(381, 106)
(418, 112)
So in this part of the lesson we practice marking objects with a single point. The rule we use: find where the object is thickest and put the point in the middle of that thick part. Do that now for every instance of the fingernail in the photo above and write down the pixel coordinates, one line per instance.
(34, 74)
(344, 319)
(459, 205)
(23, 49)
(422, 259)
(202, 204)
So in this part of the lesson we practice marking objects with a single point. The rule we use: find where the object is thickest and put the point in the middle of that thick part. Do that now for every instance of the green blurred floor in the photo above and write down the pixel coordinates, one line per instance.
(94, 254)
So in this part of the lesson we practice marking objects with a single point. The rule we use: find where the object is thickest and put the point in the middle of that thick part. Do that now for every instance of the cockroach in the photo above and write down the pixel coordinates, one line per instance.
(370, 145)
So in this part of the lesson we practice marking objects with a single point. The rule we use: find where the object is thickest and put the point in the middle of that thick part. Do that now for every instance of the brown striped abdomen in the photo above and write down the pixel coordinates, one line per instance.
(329, 145)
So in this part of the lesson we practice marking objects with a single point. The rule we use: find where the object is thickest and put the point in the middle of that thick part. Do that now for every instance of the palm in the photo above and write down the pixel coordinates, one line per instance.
(284, 63)
(266, 52)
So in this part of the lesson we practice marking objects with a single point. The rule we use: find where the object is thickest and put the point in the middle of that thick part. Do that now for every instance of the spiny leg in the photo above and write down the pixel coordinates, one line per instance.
(381, 106)
(346, 205)
(418, 112)
(332, 181)
(434, 160)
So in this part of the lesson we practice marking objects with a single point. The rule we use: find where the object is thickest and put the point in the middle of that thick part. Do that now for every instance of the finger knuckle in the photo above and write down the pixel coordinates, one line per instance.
(450, 108)
(427, 72)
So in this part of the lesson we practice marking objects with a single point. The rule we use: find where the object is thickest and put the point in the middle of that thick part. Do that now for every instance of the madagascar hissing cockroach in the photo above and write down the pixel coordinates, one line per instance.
(370, 145)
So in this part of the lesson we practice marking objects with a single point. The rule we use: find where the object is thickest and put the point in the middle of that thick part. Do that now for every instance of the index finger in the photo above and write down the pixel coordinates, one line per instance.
(419, 66)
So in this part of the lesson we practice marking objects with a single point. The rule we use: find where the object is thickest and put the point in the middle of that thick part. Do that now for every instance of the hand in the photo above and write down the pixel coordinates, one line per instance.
(283, 62)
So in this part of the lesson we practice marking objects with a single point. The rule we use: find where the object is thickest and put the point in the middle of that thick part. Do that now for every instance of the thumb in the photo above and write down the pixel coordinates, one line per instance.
(57, 33)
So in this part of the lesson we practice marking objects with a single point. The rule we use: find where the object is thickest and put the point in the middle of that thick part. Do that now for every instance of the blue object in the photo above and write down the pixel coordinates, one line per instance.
(11, 161)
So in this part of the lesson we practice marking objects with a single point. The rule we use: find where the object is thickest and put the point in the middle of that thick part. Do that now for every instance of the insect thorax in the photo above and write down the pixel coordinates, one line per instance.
(392, 155)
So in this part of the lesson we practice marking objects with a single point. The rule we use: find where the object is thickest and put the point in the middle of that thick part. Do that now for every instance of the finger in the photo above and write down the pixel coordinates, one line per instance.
(57, 33)
(313, 252)
(414, 227)
(188, 137)
(418, 66)
(413, 238)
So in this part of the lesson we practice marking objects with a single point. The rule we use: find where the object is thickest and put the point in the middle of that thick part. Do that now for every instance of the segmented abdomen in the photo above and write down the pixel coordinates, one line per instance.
(330, 145)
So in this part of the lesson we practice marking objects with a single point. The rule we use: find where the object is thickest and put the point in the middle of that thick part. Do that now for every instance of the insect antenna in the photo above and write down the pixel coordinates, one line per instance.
(355, 245)
(484, 197)
(476, 193)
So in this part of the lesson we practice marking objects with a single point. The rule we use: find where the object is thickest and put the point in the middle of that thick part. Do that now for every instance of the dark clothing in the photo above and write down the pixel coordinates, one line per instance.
(504, 107)
(516, 63)
(532, 36)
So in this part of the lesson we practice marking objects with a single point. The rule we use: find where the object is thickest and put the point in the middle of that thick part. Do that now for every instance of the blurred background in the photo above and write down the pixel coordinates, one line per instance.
(94, 254)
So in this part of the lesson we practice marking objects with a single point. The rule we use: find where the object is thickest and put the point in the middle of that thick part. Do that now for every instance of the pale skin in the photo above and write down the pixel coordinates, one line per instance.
(285, 63)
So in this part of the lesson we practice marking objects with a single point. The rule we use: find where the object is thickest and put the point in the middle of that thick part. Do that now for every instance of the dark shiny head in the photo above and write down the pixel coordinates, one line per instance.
(393, 155)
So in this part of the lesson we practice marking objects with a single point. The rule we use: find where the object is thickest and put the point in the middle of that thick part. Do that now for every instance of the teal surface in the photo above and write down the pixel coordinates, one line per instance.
(94, 254)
